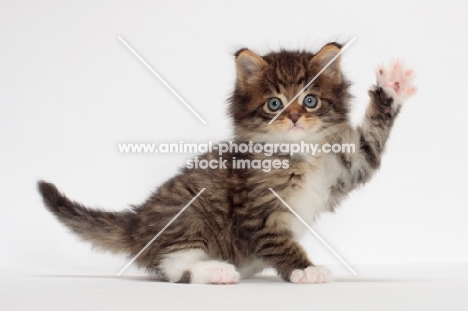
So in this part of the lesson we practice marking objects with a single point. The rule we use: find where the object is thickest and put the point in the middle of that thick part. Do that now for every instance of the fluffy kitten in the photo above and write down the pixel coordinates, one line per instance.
(237, 227)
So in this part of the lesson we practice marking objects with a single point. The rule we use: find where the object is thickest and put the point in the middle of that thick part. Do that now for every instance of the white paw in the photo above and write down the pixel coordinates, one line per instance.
(214, 272)
(311, 274)
(396, 80)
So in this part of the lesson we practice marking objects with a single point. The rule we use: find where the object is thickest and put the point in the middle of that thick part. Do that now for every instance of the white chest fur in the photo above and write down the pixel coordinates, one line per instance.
(314, 195)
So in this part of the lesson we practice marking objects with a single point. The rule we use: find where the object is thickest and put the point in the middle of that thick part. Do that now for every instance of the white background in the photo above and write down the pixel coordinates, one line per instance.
(70, 91)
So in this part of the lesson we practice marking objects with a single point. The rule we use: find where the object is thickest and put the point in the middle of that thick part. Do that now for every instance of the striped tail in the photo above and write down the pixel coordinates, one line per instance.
(105, 230)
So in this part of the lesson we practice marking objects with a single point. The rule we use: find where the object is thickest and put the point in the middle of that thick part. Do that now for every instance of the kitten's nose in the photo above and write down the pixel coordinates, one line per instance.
(294, 116)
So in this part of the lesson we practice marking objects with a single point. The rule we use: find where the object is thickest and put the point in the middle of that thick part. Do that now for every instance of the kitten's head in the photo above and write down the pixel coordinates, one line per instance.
(266, 84)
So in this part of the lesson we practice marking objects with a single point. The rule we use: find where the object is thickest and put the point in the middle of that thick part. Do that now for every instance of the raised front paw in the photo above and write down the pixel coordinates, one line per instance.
(396, 80)
(311, 274)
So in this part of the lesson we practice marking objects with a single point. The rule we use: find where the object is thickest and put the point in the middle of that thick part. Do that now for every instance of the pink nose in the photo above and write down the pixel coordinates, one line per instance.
(294, 117)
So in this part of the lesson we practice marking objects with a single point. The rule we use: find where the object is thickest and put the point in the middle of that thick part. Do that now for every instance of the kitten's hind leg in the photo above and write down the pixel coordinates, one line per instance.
(195, 266)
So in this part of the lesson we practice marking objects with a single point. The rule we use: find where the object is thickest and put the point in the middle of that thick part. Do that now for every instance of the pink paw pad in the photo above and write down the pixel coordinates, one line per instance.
(396, 80)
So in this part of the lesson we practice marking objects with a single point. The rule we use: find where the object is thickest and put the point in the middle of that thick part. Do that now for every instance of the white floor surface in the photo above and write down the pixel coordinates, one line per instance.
(377, 287)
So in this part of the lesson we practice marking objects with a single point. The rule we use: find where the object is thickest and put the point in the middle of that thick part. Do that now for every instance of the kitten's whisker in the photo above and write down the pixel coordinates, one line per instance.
(324, 111)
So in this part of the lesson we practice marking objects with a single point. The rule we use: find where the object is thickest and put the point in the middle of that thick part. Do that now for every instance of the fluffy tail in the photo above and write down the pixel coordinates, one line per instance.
(105, 230)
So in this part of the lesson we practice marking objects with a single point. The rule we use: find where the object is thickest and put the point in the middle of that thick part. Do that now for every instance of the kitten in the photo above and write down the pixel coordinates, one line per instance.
(237, 226)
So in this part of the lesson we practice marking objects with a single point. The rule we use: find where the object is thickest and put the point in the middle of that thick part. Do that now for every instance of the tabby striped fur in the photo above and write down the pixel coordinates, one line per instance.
(237, 227)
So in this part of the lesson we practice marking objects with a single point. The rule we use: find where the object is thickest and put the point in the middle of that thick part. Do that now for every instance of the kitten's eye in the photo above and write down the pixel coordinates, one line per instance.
(274, 104)
(310, 101)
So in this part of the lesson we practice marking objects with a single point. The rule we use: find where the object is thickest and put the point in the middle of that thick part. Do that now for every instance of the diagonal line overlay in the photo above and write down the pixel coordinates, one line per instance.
(313, 232)
(162, 80)
(160, 232)
(313, 79)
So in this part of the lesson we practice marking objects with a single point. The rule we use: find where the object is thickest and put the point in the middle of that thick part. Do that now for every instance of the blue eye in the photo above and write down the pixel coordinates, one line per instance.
(310, 101)
(274, 104)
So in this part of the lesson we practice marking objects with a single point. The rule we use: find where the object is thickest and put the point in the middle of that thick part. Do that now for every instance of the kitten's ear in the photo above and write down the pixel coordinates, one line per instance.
(324, 56)
(249, 66)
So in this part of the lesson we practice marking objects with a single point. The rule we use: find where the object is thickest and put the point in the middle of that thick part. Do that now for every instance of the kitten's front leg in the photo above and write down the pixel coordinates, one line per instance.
(394, 87)
(288, 258)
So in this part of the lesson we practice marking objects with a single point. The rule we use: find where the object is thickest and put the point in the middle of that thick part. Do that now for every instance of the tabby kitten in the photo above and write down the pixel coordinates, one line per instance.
(237, 226)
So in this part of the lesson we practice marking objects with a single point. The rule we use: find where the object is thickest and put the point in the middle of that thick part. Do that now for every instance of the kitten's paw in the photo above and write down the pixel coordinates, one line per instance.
(311, 274)
(214, 272)
(396, 80)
